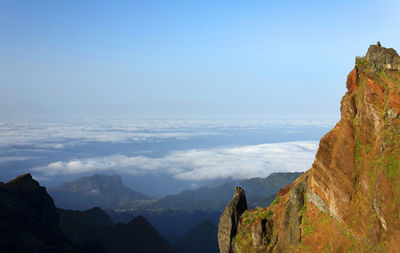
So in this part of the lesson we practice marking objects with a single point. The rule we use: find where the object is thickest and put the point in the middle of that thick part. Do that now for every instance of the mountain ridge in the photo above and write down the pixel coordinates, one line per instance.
(97, 190)
(30, 222)
(78, 194)
(260, 192)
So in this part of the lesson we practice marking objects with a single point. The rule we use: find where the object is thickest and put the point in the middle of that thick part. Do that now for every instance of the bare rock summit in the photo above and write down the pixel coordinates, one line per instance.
(229, 220)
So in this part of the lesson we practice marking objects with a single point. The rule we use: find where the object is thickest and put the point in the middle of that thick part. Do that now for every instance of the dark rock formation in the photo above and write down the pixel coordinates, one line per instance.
(80, 226)
(293, 216)
(94, 232)
(29, 222)
(136, 236)
(92, 217)
(229, 220)
(28, 219)
(200, 239)
(383, 58)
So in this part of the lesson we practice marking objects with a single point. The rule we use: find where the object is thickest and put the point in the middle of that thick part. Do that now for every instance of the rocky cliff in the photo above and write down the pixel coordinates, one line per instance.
(229, 220)
(350, 199)
(28, 219)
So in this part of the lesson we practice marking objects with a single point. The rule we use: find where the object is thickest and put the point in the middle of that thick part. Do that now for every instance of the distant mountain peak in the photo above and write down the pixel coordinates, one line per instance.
(139, 220)
(112, 178)
(97, 190)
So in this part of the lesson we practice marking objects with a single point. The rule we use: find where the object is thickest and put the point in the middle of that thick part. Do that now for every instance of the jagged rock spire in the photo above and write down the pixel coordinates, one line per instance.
(229, 220)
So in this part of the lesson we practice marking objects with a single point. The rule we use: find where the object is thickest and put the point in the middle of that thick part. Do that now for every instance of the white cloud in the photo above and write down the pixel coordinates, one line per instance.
(5, 159)
(57, 135)
(200, 164)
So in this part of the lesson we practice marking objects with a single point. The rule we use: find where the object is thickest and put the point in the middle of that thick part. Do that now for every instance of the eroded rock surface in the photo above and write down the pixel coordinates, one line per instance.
(229, 220)
(383, 58)
(350, 199)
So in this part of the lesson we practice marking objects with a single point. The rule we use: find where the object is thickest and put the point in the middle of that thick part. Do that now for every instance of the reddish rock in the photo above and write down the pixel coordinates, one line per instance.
(350, 198)
(351, 83)
(283, 191)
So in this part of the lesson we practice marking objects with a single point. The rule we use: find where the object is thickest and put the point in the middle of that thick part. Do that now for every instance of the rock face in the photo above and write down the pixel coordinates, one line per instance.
(379, 58)
(350, 199)
(228, 223)
(28, 219)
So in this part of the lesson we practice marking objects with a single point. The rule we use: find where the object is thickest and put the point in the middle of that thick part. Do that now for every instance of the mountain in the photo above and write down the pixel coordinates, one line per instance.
(94, 231)
(200, 239)
(175, 215)
(349, 201)
(136, 236)
(80, 225)
(108, 192)
(171, 224)
(97, 190)
(94, 216)
(28, 219)
(260, 191)
(30, 222)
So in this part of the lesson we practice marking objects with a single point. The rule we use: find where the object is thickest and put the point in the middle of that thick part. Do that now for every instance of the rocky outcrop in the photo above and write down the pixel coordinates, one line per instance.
(28, 219)
(379, 58)
(293, 217)
(350, 199)
(228, 222)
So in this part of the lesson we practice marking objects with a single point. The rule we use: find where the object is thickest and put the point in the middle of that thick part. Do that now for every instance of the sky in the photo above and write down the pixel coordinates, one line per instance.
(184, 59)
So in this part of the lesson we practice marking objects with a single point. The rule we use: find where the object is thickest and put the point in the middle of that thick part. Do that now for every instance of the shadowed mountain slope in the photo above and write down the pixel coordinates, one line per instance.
(94, 230)
(201, 239)
(28, 219)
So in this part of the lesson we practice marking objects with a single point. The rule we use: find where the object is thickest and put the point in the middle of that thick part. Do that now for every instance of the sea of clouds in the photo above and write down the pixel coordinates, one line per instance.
(219, 162)
(200, 164)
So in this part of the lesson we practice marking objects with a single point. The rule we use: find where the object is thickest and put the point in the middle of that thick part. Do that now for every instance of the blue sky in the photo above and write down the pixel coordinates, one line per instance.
(184, 59)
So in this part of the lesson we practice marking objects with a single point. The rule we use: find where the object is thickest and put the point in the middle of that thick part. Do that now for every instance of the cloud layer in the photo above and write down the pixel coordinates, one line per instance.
(57, 135)
(200, 164)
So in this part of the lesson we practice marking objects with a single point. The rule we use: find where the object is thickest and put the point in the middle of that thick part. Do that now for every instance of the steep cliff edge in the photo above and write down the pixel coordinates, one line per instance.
(28, 219)
(350, 199)
(229, 220)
